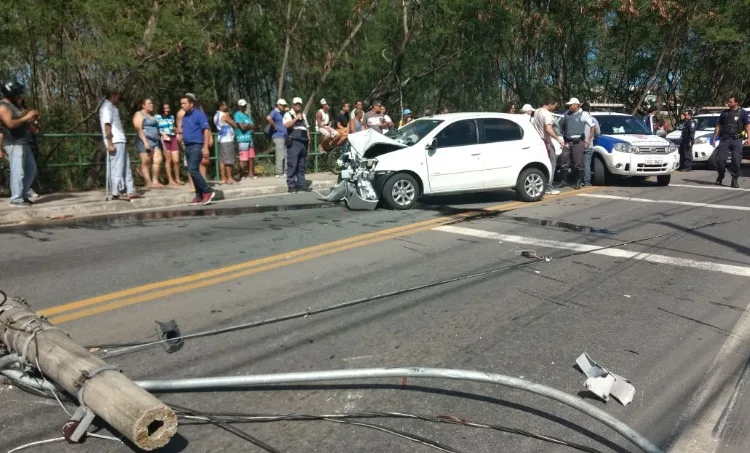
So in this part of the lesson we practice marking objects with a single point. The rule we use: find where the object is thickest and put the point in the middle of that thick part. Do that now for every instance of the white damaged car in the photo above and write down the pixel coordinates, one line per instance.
(443, 154)
(626, 147)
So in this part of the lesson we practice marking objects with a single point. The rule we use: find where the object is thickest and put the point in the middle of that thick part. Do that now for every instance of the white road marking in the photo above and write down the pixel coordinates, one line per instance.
(701, 186)
(730, 269)
(699, 429)
(682, 203)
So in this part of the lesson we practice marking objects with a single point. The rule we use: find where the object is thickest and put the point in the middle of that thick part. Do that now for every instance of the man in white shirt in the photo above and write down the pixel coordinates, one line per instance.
(542, 122)
(120, 176)
(387, 121)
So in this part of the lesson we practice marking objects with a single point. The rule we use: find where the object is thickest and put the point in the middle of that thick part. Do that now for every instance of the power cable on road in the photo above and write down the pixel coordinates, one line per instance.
(125, 348)
(446, 419)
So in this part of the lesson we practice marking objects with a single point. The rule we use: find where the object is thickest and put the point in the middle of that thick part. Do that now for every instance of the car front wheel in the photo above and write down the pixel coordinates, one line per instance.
(401, 191)
(664, 180)
(530, 185)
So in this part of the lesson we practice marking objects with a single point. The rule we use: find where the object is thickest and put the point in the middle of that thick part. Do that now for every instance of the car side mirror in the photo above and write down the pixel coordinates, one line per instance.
(432, 146)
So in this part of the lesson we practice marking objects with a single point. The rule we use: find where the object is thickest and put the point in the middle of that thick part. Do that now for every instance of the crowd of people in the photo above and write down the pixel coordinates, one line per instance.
(161, 135)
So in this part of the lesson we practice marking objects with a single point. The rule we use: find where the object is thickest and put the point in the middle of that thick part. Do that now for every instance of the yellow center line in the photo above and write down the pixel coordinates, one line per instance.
(107, 302)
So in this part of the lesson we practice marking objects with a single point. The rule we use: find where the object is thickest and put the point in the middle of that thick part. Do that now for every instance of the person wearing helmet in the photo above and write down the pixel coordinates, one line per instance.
(406, 118)
(17, 140)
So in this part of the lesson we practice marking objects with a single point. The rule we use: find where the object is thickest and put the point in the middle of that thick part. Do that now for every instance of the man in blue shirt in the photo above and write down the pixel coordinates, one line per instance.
(276, 119)
(196, 135)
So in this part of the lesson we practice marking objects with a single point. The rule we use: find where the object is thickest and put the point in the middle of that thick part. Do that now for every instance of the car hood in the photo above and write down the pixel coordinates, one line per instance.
(608, 141)
(676, 135)
(369, 144)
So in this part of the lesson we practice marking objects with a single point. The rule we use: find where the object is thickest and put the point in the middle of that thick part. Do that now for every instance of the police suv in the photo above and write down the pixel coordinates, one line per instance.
(626, 147)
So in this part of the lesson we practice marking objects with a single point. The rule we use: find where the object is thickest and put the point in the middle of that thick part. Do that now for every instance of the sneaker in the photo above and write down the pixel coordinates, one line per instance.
(735, 183)
(552, 191)
(304, 189)
(33, 194)
(207, 197)
(719, 181)
(308, 183)
(20, 204)
(196, 201)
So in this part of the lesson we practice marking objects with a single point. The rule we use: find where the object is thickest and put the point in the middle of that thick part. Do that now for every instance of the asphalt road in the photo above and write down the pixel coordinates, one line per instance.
(667, 311)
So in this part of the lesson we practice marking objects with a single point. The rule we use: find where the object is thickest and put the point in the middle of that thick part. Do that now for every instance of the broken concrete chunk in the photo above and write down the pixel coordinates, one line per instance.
(602, 383)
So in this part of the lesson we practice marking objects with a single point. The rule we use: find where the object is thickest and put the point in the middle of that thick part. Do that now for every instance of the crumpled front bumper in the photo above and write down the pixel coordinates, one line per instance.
(346, 190)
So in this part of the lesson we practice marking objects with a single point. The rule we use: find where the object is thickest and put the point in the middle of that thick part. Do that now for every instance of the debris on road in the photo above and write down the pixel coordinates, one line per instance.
(28, 341)
(603, 383)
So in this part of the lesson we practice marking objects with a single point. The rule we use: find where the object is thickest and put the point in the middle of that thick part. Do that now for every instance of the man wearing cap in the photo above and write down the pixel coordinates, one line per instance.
(244, 134)
(276, 120)
(573, 126)
(195, 134)
(323, 126)
(296, 151)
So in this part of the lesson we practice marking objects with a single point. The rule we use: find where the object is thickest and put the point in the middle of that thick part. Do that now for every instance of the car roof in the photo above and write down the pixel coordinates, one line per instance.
(470, 115)
(609, 114)
(705, 115)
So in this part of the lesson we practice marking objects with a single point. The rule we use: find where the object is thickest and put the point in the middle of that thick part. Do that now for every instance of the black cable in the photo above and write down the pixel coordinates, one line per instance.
(266, 418)
(231, 429)
(136, 346)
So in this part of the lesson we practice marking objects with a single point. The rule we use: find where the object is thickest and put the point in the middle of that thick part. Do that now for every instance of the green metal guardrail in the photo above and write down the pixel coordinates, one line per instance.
(84, 153)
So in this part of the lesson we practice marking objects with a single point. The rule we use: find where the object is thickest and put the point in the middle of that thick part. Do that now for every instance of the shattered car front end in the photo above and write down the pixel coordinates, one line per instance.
(357, 180)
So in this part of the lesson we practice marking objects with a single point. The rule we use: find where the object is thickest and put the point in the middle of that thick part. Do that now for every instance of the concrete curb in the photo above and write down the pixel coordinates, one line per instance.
(90, 209)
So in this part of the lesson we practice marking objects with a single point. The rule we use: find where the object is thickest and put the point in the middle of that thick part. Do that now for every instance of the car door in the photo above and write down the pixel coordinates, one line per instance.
(454, 162)
(502, 151)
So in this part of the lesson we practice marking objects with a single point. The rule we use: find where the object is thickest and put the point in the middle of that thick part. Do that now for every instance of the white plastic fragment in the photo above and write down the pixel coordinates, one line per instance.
(602, 383)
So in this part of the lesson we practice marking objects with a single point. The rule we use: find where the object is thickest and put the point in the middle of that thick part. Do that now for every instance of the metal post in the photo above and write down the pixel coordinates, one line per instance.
(315, 152)
(80, 163)
(216, 156)
(107, 180)
(233, 382)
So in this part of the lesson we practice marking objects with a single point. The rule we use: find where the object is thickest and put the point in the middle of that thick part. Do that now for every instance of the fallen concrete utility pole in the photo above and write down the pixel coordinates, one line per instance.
(100, 388)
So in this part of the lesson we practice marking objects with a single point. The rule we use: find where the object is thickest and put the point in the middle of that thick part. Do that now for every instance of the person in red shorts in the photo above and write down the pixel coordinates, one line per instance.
(244, 134)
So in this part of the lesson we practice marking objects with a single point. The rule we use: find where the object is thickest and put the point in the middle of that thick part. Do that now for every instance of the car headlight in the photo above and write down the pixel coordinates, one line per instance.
(701, 140)
(625, 148)
(672, 149)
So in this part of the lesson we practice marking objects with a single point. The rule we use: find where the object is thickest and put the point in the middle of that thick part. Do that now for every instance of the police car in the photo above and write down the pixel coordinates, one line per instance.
(626, 147)
(703, 143)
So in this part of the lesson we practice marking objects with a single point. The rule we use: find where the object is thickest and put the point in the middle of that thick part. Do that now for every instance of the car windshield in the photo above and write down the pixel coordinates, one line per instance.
(706, 123)
(413, 132)
(621, 125)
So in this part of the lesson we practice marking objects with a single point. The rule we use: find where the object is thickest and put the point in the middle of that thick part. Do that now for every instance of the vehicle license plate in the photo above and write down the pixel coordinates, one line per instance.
(654, 161)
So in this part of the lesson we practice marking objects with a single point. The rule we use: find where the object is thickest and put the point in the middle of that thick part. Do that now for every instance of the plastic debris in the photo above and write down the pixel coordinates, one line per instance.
(603, 383)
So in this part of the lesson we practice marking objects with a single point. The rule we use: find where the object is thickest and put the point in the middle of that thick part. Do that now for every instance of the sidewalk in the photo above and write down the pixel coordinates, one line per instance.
(58, 206)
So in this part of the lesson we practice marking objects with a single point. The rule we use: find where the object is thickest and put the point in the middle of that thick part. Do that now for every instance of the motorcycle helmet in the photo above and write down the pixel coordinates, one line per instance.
(11, 89)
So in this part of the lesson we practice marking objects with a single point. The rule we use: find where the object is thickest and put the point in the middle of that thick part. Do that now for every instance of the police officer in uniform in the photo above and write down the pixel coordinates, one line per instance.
(296, 148)
(687, 138)
(729, 130)
(574, 125)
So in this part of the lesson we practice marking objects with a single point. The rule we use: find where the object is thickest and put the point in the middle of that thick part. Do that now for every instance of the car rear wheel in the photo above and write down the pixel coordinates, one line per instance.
(664, 180)
(601, 174)
(530, 185)
(401, 191)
